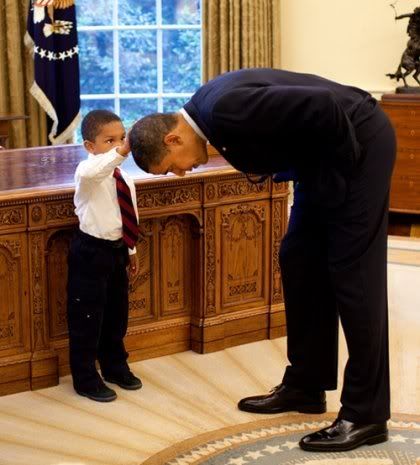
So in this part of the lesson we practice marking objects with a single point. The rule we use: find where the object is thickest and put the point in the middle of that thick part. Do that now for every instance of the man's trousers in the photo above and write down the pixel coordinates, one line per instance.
(334, 266)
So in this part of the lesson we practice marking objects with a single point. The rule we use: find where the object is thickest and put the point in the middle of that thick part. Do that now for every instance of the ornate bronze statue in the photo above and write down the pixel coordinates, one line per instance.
(410, 60)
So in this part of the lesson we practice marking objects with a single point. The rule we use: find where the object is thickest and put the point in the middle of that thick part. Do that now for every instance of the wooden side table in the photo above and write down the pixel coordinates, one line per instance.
(5, 122)
(404, 113)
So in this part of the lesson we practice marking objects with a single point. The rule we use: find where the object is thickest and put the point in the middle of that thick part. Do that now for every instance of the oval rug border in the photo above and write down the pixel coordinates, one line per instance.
(185, 446)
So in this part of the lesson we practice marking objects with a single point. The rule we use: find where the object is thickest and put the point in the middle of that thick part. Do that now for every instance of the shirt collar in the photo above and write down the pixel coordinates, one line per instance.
(192, 123)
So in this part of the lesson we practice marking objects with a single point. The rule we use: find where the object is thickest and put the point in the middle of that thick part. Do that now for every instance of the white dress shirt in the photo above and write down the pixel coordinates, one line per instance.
(96, 196)
(193, 124)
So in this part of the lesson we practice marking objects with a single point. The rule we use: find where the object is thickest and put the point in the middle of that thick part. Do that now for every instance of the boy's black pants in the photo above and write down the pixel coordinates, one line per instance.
(97, 308)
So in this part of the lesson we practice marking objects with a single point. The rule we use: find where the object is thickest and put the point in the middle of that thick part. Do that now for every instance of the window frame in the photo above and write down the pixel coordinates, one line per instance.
(159, 27)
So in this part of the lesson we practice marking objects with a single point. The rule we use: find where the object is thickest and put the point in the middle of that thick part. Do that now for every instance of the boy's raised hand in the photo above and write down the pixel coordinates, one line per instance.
(124, 149)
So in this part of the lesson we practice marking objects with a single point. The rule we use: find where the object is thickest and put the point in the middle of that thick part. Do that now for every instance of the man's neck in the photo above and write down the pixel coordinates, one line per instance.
(186, 118)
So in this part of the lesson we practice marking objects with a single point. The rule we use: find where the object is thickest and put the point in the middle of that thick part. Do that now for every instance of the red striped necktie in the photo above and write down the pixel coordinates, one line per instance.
(130, 225)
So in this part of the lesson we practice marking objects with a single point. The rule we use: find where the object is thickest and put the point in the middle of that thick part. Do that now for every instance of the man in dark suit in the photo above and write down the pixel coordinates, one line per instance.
(339, 148)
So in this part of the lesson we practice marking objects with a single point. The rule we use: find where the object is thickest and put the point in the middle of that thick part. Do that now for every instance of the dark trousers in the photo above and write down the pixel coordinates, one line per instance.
(97, 308)
(334, 265)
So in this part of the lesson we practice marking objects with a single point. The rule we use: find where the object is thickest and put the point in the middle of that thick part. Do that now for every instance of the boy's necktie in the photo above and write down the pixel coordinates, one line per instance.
(128, 215)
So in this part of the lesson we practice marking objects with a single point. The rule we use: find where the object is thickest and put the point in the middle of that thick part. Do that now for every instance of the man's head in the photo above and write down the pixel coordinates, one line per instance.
(102, 131)
(165, 142)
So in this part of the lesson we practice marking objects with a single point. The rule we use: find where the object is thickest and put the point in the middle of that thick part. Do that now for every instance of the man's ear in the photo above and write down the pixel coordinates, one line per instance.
(172, 139)
(89, 146)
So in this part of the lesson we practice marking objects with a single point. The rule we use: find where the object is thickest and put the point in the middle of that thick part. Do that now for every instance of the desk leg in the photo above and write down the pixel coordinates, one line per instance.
(44, 362)
(278, 229)
(207, 282)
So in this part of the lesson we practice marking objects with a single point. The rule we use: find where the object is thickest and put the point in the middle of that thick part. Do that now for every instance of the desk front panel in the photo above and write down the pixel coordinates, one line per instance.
(208, 269)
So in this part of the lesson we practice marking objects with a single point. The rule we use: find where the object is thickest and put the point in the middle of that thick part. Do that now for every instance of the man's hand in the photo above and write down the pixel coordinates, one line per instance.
(124, 149)
(132, 266)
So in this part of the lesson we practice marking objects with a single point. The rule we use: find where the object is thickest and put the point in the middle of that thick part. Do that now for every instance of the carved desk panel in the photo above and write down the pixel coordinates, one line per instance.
(207, 258)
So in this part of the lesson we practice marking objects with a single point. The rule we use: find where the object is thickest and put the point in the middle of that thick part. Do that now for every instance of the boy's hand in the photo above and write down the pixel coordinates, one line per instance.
(132, 266)
(124, 149)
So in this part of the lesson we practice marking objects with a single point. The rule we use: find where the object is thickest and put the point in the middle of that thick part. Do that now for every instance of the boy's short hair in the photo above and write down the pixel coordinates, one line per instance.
(94, 121)
(146, 138)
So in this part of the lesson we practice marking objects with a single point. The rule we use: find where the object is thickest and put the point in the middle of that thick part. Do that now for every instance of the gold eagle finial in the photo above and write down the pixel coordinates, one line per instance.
(56, 27)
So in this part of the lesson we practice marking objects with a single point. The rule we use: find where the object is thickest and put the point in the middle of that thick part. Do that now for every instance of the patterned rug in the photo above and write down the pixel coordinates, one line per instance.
(275, 442)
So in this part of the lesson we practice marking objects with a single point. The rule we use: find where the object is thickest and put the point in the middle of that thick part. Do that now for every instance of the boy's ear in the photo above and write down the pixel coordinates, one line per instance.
(88, 145)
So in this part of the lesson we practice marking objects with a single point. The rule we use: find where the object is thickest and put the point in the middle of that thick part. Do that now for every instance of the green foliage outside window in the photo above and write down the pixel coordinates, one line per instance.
(137, 54)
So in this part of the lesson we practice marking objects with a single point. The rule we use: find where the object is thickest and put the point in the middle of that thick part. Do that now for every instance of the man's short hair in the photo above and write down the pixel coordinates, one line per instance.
(94, 121)
(146, 138)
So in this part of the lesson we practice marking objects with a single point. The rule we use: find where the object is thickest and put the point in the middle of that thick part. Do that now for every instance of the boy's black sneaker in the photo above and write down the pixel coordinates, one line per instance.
(125, 381)
(101, 393)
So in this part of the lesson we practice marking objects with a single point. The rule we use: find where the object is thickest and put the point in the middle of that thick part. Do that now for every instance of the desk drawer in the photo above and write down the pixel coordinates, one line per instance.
(402, 114)
(408, 137)
(406, 123)
(407, 162)
(405, 192)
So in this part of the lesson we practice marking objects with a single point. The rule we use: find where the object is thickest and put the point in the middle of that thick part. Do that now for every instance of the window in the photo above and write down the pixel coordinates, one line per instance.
(138, 56)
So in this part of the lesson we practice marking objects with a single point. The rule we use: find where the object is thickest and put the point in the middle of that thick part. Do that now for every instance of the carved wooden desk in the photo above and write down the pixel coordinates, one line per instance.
(208, 261)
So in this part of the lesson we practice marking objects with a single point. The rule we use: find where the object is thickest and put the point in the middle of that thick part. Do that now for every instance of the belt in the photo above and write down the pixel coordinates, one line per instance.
(118, 244)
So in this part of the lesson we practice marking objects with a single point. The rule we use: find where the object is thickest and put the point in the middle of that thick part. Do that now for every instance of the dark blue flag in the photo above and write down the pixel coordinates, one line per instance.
(52, 33)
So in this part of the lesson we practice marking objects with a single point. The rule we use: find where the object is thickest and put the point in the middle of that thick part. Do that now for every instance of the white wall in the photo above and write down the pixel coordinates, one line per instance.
(354, 42)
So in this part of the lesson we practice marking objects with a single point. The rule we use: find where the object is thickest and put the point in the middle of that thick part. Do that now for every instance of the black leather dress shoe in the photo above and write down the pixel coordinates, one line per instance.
(344, 435)
(100, 393)
(285, 399)
(125, 381)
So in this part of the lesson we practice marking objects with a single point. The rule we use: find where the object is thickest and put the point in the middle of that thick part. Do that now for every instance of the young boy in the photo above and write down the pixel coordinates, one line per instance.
(100, 252)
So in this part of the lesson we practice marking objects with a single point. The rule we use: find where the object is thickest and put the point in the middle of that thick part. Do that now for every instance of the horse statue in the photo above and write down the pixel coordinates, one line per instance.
(410, 60)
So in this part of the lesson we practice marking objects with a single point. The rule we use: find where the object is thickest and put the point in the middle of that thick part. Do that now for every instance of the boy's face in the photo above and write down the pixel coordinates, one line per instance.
(111, 135)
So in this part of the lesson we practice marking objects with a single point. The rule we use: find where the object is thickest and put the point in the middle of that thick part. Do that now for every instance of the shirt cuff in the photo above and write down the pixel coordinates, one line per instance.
(132, 251)
(118, 157)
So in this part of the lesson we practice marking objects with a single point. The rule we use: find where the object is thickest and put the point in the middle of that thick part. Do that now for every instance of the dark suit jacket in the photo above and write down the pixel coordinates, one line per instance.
(266, 121)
